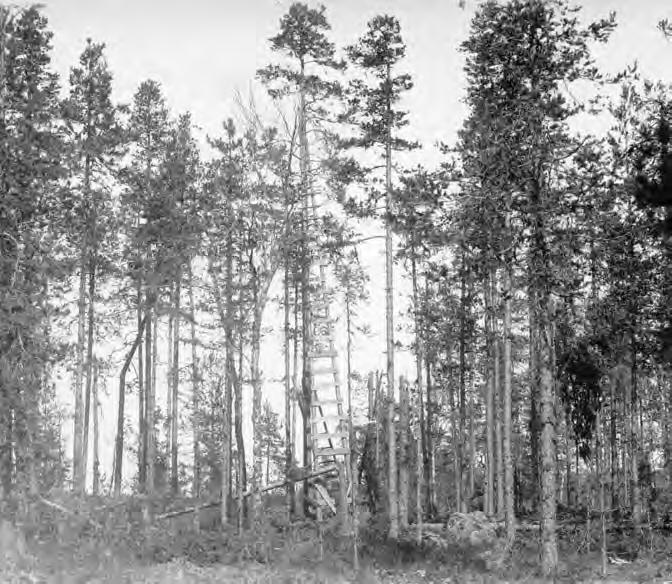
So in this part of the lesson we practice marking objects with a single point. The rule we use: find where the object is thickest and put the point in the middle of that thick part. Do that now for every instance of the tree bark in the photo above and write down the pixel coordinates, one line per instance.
(389, 324)
(96, 458)
(507, 407)
(149, 398)
(119, 442)
(404, 458)
(635, 491)
(498, 409)
(259, 300)
(195, 389)
(240, 442)
(489, 404)
(535, 422)
(89, 363)
(168, 424)
(142, 432)
(462, 442)
(174, 483)
(289, 456)
(78, 473)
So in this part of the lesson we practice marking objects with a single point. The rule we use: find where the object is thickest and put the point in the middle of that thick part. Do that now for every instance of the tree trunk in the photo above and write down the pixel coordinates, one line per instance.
(174, 484)
(404, 458)
(255, 373)
(635, 491)
(455, 440)
(431, 482)
(613, 450)
(389, 326)
(88, 365)
(195, 389)
(168, 424)
(119, 442)
(78, 472)
(507, 407)
(535, 422)
(149, 398)
(461, 443)
(489, 478)
(96, 458)
(142, 422)
(498, 413)
(240, 443)
(289, 456)
(422, 436)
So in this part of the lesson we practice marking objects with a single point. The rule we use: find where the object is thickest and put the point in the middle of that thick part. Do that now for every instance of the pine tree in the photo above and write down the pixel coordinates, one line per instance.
(94, 140)
(372, 109)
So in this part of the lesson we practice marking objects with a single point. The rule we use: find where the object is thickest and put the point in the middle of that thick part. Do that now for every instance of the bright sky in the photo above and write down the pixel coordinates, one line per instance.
(203, 51)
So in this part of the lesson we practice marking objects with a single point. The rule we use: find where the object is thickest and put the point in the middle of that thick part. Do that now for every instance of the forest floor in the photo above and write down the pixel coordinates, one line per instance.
(71, 550)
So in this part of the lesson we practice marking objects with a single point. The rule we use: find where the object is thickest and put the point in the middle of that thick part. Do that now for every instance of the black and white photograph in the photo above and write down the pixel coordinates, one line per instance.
(336, 291)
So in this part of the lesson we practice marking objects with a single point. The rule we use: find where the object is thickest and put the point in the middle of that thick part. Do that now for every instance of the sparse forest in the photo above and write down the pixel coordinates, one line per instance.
(181, 316)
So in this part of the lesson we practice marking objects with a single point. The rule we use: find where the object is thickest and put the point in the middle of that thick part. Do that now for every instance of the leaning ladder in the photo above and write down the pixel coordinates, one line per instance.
(329, 430)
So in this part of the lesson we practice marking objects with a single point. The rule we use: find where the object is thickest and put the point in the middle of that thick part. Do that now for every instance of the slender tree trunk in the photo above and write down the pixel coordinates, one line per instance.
(174, 484)
(472, 433)
(351, 429)
(96, 458)
(635, 491)
(258, 298)
(461, 443)
(535, 422)
(298, 493)
(418, 364)
(389, 326)
(418, 488)
(305, 267)
(507, 407)
(78, 471)
(600, 479)
(455, 440)
(498, 395)
(170, 372)
(119, 442)
(431, 483)
(142, 423)
(613, 451)
(240, 443)
(489, 404)
(149, 397)
(289, 456)
(548, 448)
(404, 458)
(89, 364)
(195, 393)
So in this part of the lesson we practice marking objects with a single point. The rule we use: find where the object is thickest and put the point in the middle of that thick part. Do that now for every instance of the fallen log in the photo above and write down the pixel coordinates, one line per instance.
(264, 489)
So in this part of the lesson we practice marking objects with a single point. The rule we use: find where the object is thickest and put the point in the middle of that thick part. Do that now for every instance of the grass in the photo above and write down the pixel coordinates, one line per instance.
(56, 549)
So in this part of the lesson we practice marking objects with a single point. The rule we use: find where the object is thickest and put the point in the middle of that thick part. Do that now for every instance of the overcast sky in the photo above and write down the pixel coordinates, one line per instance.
(202, 51)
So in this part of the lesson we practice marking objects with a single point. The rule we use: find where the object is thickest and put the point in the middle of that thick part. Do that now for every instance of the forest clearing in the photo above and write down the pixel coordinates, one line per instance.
(329, 341)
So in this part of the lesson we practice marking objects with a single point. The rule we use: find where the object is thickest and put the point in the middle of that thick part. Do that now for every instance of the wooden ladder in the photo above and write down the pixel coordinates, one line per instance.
(329, 429)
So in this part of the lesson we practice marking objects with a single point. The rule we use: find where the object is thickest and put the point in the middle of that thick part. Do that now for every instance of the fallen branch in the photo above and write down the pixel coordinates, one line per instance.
(269, 487)
(67, 511)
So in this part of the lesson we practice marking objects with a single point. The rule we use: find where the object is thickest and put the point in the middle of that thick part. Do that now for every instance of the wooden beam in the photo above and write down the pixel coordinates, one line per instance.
(269, 487)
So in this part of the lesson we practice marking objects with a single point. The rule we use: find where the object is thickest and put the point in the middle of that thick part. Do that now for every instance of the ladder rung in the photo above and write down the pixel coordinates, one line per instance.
(330, 436)
(329, 418)
(323, 371)
(325, 402)
(332, 451)
(332, 386)
(323, 354)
